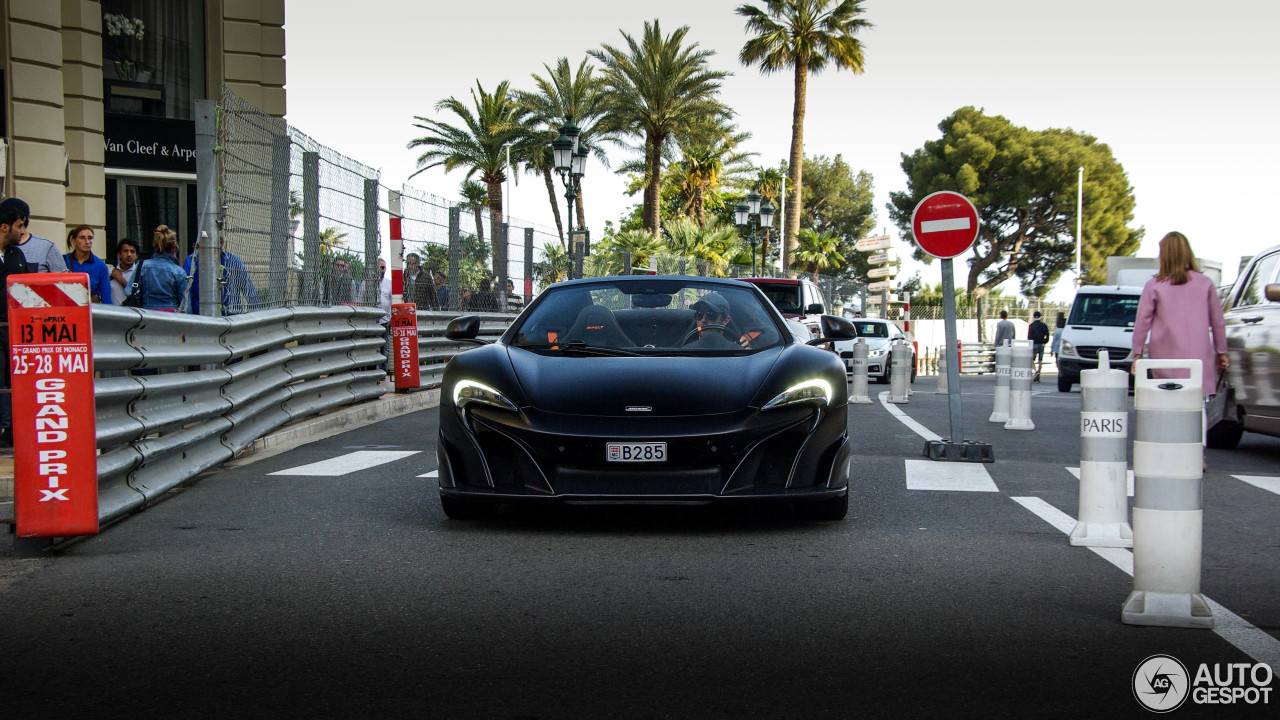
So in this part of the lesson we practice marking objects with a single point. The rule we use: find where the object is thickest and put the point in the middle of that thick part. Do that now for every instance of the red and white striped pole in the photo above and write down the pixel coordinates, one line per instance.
(397, 262)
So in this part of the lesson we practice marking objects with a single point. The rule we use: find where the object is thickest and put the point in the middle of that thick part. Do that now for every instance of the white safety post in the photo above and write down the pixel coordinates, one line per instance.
(1000, 410)
(858, 374)
(1104, 458)
(899, 372)
(1168, 512)
(1020, 374)
(942, 374)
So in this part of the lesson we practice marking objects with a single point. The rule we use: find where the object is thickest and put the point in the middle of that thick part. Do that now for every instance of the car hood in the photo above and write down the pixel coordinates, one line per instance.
(872, 344)
(586, 385)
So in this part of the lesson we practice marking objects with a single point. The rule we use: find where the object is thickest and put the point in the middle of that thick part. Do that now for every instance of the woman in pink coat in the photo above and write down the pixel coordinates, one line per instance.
(1179, 308)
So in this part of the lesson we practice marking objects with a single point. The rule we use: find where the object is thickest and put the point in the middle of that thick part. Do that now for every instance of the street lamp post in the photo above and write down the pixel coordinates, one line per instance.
(570, 157)
(755, 216)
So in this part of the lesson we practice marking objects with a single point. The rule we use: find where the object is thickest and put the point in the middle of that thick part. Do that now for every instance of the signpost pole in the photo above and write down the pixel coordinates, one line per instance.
(949, 332)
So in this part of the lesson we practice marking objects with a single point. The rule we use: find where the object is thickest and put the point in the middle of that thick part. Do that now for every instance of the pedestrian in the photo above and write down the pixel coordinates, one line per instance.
(1038, 334)
(483, 299)
(236, 287)
(1180, 316)
(162, 283)
(41, 254)
(340, 288)
(82, 260)
(122, 275)
(514, 300)
(12, 227)
(1059, 325)
(417, 284)
(1004, 328)
(380, 291)
(442, 290)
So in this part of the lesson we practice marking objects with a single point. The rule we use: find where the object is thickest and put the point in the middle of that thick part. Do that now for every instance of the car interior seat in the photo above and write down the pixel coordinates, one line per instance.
(596, 325)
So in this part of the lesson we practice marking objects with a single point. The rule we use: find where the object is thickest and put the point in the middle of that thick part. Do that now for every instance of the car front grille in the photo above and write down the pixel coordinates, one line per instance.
(1090, 352)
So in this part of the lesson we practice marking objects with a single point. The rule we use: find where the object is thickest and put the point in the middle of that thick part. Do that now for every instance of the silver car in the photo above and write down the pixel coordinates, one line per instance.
(1253, 342)
(879, 335)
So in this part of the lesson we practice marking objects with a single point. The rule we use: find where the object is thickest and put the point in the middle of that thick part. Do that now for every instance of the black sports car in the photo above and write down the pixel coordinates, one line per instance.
(645, 389)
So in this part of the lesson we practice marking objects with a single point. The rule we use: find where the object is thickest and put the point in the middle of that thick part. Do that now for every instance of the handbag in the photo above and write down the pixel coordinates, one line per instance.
(1215, 409)
(134, 298)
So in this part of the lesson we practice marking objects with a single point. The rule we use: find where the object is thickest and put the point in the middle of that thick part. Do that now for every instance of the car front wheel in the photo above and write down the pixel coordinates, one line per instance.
(1065, 382)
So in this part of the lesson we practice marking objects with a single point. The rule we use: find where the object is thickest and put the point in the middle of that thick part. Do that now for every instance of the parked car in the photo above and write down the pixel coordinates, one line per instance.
(607, 390)
(879, 336)
(1253, 344)
(1101, 318)
(797, 299)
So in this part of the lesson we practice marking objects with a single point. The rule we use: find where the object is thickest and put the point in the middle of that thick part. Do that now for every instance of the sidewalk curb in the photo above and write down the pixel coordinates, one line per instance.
(338, 421)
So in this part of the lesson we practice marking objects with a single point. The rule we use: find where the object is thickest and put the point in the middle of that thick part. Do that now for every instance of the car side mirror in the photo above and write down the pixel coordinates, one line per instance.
(814, 309)
(834, 328)
(465, 328)
(1273, 292)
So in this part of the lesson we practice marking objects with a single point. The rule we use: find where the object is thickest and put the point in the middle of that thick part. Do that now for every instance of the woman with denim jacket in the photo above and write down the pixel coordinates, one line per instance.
(161, 281)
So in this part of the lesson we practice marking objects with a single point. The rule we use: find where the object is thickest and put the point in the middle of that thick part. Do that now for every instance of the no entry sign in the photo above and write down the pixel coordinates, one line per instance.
(55, 463)
(945, 224)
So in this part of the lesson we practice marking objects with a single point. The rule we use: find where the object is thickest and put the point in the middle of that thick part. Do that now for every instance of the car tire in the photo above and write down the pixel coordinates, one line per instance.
(913, 369)
(831, 509)
(884, 376)
(459, 509)
(1065, 382)
(1225, 435)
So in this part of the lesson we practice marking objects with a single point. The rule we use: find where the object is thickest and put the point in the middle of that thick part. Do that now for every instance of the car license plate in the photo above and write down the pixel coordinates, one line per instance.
(636, 452)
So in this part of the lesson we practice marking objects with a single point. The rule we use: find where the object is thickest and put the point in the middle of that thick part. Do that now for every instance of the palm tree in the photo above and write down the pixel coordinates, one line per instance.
(804, 36)
(556, 265)
(495, 120)
(654, 89)
(769, 183)
(815, 251)
(710, 154)
(564, 96)
(640, 243)
(712, 246)
(474, 198)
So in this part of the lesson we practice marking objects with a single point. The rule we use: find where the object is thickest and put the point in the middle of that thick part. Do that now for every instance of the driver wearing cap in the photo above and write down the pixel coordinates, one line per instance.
(711, 315)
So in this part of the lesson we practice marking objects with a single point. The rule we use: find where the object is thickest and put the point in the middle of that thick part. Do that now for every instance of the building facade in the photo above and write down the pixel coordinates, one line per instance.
(99, 98)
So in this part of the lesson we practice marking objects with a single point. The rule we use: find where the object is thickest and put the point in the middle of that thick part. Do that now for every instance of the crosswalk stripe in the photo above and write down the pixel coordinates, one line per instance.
(433, 473)
(948, 476)
(1076, 471)
(1255, 643)
(1270, 484)
(349, 463)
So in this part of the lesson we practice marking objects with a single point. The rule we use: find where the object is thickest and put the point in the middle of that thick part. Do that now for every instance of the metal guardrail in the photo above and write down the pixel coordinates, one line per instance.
(180, 394)
(977, 358)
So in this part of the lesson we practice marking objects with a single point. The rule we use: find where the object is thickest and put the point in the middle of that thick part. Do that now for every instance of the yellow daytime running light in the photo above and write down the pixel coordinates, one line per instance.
(816, 390)
(469, 391)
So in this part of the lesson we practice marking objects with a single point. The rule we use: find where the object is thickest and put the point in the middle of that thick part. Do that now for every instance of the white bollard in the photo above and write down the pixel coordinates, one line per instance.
(942, 375)
(858, 374)
(1168, 512)
(1104, 458)
(899, 372)
(1020, 374)
(1000, 411)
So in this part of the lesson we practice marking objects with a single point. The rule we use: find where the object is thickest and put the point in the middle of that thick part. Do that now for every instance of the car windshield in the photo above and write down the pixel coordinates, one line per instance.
(784, 297)
(1104, 310)
(871, 329)
(659, 316)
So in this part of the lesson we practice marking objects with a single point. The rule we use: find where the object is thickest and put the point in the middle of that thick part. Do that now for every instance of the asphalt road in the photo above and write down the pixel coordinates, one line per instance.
(352, 596)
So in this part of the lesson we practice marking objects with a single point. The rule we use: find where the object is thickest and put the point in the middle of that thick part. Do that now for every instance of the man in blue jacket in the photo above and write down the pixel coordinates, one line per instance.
(238, 294)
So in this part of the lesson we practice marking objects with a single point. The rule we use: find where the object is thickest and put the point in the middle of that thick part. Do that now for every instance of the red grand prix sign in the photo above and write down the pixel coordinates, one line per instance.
(404, 345)
(945, 224)
(55, 463)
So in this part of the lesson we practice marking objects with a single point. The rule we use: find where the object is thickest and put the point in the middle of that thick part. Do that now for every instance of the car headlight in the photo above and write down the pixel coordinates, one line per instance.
(466, 392)
(1066, 348)
(816, 390)
(876, 353)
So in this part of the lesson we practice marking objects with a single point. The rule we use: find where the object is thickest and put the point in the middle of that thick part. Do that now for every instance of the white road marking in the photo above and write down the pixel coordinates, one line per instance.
(948, 476)
(349, 463)
(1076, 471)
(433, 473)
(902, 417)
(1255, 643)
(1270, 484)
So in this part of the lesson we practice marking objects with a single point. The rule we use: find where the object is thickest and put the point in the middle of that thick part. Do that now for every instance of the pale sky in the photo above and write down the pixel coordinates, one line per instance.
(1187, 95)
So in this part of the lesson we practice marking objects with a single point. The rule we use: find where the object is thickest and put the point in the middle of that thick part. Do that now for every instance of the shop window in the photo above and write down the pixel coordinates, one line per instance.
(152, 57)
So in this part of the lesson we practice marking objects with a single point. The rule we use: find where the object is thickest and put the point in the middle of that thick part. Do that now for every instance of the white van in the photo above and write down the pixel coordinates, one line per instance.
(1101, 319)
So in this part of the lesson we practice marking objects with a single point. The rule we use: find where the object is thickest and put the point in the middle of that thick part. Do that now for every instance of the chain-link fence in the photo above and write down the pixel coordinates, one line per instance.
(299, 219)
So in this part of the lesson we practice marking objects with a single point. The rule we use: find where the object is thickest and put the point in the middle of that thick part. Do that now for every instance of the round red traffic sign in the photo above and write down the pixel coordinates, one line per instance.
(945, 224)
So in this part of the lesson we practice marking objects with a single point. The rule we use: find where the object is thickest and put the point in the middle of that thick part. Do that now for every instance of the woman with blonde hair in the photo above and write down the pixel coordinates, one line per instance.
(1180, 315)
(162, 283)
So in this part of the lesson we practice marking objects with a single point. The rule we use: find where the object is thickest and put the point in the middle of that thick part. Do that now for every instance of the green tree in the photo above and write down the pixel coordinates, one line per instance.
(563, 95)
(709, 155)
(474, 197)
(817, 250)
(655, 88)
(804, 36)
(840, 201)
(770, 182)
(1023, 183)
(556, 265)
(477, 144)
